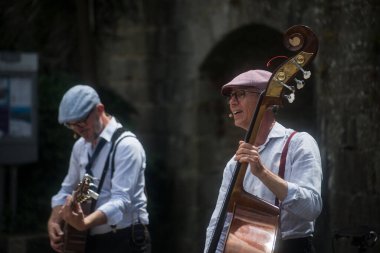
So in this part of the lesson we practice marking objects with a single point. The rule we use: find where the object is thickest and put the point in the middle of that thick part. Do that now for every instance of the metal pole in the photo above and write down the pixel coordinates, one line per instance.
(13, 196)
(2, 203)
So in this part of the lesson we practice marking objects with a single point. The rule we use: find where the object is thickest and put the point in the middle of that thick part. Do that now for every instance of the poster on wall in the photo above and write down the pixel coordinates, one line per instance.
(15, 106)
(18, 108)
(4, 107)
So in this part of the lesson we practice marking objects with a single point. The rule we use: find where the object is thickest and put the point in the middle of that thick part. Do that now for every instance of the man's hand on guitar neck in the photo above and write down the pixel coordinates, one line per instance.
(71, 212)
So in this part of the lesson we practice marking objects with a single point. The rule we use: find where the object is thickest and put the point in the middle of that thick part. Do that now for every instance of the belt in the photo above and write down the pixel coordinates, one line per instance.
(122, 231)
(304, 244)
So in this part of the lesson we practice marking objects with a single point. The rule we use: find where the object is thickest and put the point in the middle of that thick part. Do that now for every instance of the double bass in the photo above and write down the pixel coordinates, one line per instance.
(254, 222)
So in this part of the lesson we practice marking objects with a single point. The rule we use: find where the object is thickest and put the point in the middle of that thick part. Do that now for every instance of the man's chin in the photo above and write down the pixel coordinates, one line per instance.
(240, 124)
(86, 137)
(237, 123)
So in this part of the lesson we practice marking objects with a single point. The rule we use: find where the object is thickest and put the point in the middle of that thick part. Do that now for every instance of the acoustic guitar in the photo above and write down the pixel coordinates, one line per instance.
(74, 241)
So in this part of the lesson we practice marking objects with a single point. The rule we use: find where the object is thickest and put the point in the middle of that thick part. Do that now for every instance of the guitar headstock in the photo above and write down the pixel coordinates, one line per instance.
(84, 190)
(301, 39)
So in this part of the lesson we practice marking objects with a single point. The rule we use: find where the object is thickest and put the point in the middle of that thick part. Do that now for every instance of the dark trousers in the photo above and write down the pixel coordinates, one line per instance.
(299, 245)
(134, 239)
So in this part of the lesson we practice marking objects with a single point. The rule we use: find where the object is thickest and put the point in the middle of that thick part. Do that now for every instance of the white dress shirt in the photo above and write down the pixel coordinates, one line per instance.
(303, 173)
(122, 199)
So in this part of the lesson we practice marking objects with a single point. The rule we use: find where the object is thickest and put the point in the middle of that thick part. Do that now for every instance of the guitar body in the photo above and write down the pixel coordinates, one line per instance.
(74, 241)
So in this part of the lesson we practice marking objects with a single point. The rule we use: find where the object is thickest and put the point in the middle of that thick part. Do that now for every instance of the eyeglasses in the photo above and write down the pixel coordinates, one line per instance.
(239, 94)
(80, 123)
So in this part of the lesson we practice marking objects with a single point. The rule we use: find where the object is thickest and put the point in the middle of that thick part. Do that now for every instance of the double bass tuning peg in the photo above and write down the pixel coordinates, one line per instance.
(291, 97)
(306, 73)
(300, 59)
(299, 83)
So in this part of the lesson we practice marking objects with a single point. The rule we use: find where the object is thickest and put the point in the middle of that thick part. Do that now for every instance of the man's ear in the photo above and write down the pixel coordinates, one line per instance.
(100, 108)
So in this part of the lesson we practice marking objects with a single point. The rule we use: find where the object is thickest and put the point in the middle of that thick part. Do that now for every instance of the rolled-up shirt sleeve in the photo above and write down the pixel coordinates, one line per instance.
(126, 180)
(304, 178)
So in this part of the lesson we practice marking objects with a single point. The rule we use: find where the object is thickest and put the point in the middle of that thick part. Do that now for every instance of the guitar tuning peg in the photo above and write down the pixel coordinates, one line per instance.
(299, 83)
(291, 97)
(93, 194)
(93, 187)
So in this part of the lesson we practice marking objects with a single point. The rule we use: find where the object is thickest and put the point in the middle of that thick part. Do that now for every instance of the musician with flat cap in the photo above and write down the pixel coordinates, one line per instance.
(297, 193)
(118, 219)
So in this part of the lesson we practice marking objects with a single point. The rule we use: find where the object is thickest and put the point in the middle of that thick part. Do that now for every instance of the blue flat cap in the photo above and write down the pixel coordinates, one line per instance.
(77, 103)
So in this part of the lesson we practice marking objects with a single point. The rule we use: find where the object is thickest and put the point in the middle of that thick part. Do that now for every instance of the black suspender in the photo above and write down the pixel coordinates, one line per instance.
(94, 155)
(114, 138)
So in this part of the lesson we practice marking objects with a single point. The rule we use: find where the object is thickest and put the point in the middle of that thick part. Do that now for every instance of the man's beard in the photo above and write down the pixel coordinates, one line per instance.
(98, 127)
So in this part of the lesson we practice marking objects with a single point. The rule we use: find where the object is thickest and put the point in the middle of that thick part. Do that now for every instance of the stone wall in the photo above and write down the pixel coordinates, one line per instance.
(169, 60)
(349, 113)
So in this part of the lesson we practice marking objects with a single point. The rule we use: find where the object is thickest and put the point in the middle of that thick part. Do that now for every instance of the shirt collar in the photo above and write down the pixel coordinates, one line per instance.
(110, 129)
(277, 131)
